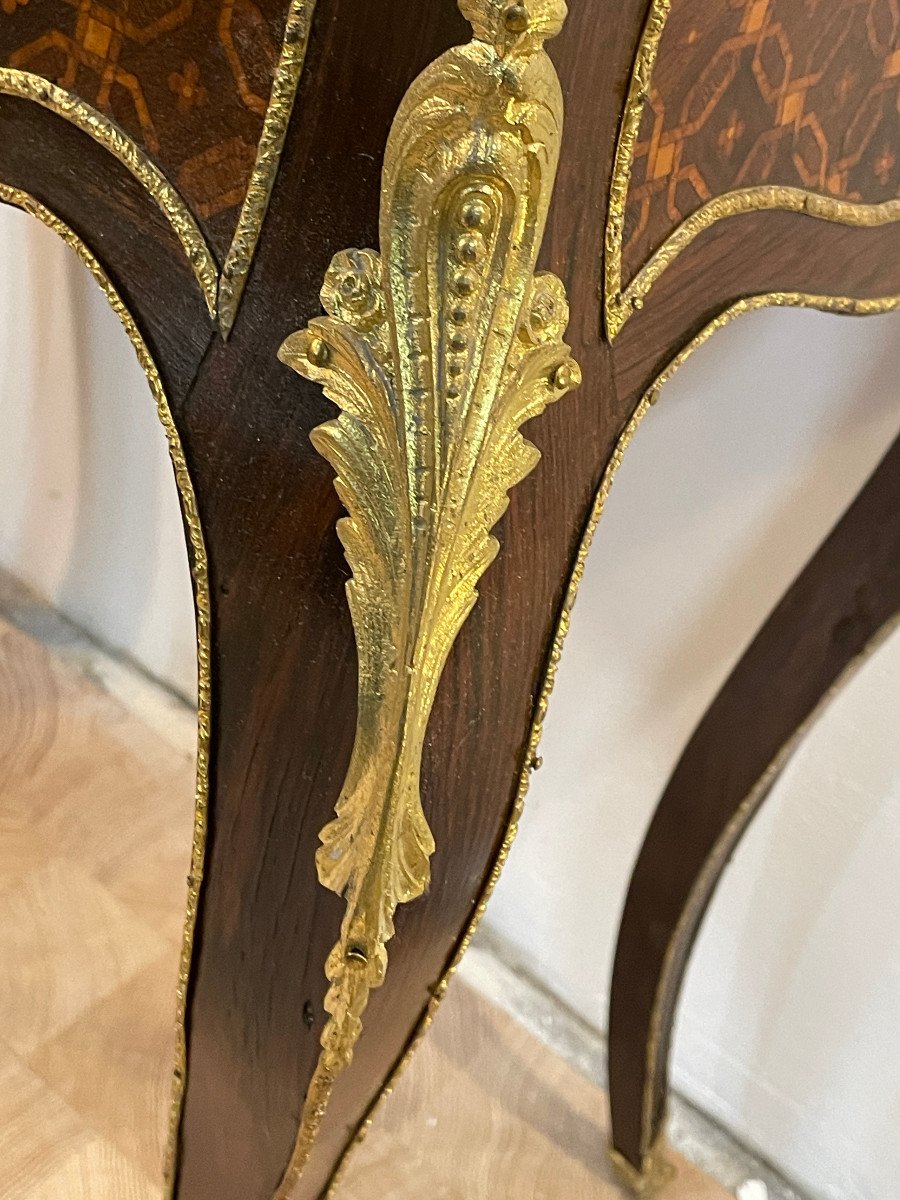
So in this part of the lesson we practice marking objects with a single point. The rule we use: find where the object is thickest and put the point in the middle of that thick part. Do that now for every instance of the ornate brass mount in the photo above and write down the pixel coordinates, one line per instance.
(436, 351)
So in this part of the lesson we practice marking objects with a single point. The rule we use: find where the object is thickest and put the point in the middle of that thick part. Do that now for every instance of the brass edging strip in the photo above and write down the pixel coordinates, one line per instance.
(436, 350)
(732, 833)
(200, 575)
(749, 200)
(108, 135)
(833, 304)
(619, 304)
(725, 845)
(844, 305)
(268, 156)
(637, 97)
(655, 1175)
(221, 293)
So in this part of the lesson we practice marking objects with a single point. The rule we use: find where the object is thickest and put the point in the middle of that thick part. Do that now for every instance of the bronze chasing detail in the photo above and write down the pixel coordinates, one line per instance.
(436, 351)
(731, 204)
(649, 1178)
(638, 95)
(268, 156)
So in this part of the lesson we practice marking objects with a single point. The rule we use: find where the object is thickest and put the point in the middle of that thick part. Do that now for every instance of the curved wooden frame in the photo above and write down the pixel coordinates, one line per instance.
(281, 649)
(223, 288)
(834, 615)
(622, 300)
(199, 569)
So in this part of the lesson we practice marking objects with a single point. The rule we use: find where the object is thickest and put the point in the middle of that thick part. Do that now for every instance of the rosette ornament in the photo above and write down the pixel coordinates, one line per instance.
(436, 352)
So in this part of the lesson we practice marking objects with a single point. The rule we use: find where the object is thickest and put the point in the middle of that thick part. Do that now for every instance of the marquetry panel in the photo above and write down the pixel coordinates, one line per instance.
(802, 93)
(188, 80)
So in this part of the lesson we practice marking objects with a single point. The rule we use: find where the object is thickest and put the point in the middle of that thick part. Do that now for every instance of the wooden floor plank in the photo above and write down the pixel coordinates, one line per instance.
(487, 1111)
(38, 1130)
(95, 828)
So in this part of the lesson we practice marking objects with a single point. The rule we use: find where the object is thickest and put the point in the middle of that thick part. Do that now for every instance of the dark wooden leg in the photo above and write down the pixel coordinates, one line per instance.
(847, 594)
(279, 644)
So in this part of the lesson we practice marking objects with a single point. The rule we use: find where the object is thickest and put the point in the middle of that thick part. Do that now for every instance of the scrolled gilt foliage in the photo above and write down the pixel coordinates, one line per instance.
(436, 352)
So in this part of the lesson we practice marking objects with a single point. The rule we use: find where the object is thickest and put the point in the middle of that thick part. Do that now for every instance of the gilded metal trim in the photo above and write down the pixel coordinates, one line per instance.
(718, 858)
(221, 292)
(108, 135)
(833, 304)
(637, 97)
(732, 204)
(268, 156)
(732, 833)
(620, 303)
(436, 352)
(656, 1172)
(200, 576)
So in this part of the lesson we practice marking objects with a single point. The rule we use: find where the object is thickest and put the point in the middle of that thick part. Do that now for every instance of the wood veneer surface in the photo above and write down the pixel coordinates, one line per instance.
(761, 92)
(95, 812)
(283, 655)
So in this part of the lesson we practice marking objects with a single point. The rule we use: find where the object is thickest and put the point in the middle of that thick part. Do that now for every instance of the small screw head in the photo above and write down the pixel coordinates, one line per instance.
(516, 18)
(566, 376)
(318, 352)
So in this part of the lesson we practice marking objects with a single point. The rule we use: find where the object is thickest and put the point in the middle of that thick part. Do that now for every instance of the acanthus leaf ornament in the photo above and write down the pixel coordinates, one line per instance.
(436, 352)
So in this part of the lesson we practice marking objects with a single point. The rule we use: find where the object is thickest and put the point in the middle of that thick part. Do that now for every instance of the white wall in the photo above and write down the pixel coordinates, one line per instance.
(88, 506)
(788, 1027)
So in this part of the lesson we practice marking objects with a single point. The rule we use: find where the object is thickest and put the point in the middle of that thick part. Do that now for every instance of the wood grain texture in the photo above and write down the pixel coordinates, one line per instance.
(837, 606)
(763, 92)
(108, 209)
(487, 1111)
(95, 821)
(187, 81)
(83, 1105)
(283, 656)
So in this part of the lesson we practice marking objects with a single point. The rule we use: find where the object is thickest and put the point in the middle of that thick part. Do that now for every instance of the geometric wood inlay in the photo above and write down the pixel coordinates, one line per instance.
(140, 65)
(802, 93)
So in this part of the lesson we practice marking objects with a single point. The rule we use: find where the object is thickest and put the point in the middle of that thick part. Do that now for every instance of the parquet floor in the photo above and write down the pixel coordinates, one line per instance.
(95, 817)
